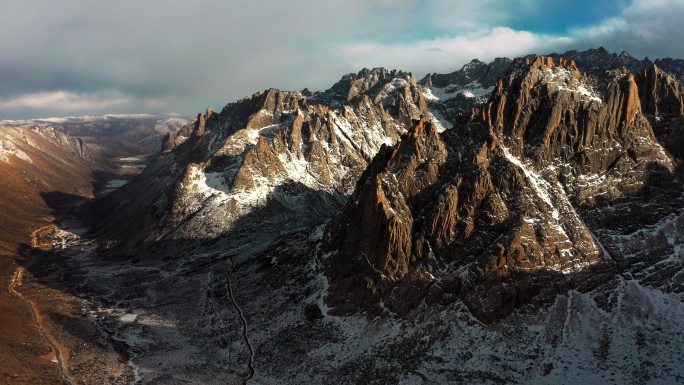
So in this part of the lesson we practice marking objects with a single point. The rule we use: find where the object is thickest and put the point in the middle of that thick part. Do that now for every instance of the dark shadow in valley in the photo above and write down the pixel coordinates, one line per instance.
(169, 277)
(101, 178)
(61, 203)
(659, 197)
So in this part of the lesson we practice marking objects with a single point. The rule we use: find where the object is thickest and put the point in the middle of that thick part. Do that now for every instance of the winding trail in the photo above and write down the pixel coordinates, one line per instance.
(242, 320)
(58, 353)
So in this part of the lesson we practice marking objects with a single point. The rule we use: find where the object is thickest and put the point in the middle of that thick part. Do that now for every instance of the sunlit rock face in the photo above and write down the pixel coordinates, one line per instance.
(275, 157)
(558, 183)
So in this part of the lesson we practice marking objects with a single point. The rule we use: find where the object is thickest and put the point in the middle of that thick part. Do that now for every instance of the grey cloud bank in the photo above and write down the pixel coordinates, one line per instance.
(76, 57)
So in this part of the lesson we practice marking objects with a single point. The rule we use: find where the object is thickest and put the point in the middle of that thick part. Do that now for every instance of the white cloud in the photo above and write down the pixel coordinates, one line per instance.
(65, 101)
(646, 27)
(447, 54)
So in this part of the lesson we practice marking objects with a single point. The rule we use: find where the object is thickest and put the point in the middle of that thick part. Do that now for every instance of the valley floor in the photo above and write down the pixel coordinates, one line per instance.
(44, 339)
(216, 313)
(222, 317)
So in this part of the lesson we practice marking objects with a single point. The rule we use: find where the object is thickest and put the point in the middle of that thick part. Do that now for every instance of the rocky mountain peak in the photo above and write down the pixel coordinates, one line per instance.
(661, 100)
(459, 92)
(379, 79)
(659, 92)
(597, 61)
(365, 82)
(538, 81)
(277, 150)
(503, 196)
(475, 63)
(372, 235)
(199, 125)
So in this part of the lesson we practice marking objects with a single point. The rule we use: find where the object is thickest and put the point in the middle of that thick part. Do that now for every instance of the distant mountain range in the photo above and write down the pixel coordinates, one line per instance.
(143, 129)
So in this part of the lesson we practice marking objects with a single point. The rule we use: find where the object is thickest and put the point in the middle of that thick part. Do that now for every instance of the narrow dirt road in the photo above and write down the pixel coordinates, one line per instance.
(16, 281)
(58, 353)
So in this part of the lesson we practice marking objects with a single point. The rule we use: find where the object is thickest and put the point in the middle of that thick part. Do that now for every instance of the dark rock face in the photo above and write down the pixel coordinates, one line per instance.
(519, 203)
(374, 230)
(597, 61)
(600, 60)
(660, 93)
(475, 71)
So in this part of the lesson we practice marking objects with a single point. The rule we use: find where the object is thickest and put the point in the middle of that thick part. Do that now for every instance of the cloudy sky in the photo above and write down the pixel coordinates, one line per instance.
(69, 57)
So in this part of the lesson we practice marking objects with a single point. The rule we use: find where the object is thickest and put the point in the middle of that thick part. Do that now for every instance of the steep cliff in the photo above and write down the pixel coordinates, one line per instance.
(527, 199)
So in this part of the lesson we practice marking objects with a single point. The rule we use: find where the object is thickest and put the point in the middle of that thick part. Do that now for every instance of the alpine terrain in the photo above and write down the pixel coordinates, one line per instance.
(519, 221)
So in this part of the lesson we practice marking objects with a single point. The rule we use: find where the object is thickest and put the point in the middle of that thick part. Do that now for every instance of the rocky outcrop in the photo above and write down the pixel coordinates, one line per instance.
(476, 71)
(172, 140)
(672, 66)
(379, 84)
(661, 100)
(659, 93)
(599, 60)
(510, 208)
(76, 145)
(277, 154)
(373, 234)
(457, 93)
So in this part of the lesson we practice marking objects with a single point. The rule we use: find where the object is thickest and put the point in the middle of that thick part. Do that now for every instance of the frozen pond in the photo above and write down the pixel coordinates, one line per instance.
(116, 183)
(113, 185)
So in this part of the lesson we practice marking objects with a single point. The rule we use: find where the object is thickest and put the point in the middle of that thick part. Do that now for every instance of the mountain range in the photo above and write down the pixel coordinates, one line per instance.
(519, 221)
